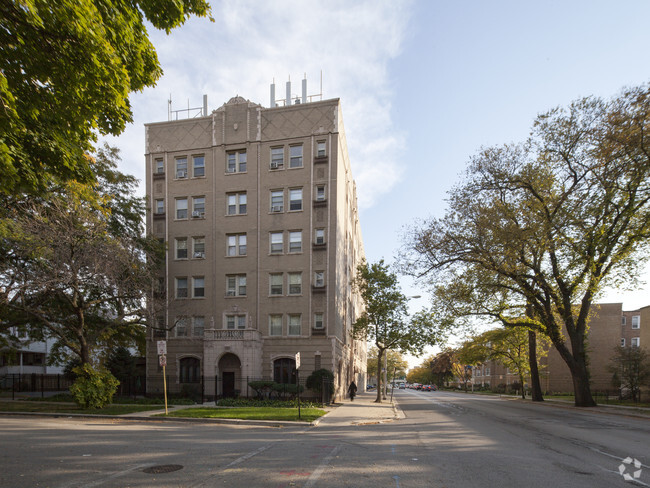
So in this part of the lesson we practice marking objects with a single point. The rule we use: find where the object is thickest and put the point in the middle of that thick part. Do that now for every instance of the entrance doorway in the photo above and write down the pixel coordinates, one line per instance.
(230, 375)
(228, 378)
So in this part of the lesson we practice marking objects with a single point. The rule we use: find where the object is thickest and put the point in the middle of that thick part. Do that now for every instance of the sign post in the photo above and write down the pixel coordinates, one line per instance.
(162, 358)
(298, 380)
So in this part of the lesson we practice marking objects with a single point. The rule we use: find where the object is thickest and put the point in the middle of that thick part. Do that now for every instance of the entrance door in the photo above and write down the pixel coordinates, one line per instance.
(228, 378)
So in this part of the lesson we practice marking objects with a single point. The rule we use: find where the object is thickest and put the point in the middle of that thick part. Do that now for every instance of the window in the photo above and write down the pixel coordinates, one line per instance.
(198, 166)
(636, 321)
(276, 282)
(277, 201)
(284, 370)
(160, 206)
(181, 287)
(198, 290)
(236, 245)
(277, 157)
(295, 156)
(198, 326)
(235, 322)
(623, 320)
(318, 321)
(189, 370)
(622, 342)
(236, 203)
(275, 325)
(635, 341)
(295, 241)
(181, 208)
(295, 283)
(198, 247)
(320, 149)
(236, 285)
(320, 193)
(159, 166)
(198, 207)
(236, 162)
(181, 167)
(295, 199)
(319, 236)
(181, 327)
(294, 325)
(319, 279)
(181, 248)
(276, 242)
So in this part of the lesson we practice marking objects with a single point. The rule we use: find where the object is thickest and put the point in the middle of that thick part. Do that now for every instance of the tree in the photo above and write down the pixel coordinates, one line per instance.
(506, 345)
(631, 367)
(77, 267)
(384, 320)
(397, 366)
(443, 366)
(420, 374)
(543, 227)
(66, 72)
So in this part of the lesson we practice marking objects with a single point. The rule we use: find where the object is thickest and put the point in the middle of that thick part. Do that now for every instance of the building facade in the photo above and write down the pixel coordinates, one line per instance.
(257, 207)
(609, 326)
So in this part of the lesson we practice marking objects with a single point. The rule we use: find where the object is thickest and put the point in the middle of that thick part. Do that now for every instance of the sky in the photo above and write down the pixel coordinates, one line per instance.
(423, 85)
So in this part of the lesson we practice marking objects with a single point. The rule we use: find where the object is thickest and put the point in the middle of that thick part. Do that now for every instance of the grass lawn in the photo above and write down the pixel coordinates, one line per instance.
(42, 407)
(250, 413)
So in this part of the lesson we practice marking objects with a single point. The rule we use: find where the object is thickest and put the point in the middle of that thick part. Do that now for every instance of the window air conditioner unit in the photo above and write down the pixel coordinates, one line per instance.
(199, 254)
(276, 208)
(275, 165)
(181, 174)
(197, 215)
(231, 293)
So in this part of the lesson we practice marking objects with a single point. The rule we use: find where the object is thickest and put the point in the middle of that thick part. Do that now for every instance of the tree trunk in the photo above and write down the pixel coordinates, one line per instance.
(535, 384)
(380, 356)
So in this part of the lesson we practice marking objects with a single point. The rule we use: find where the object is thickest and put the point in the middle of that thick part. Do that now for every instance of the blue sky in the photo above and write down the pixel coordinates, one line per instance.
(423, 84)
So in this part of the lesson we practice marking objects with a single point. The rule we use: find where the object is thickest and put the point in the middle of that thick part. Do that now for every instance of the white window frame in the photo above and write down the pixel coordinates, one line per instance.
(636, 322)
(234, 322)
(276, 242)
(160, 206)
(635, 342)
(236, 245)
(277, 158)
(159, 166)
(182, 208)
(319, 236)
(319, 318)
(180, 244)
(178, 281)
(181, 328)
(273, 284)
(277, 201)
(198, 163)
(236, 285)
(294, 285)
(239, 161)
(321, 149)
(295, 200)
(198, 207)
(236, 203)
(275, 325)
(319, 279)
(181, 167)
(295, 156)
(198, 247)
(294, 325)
(198, 291)
(295, 241)
(196, 328)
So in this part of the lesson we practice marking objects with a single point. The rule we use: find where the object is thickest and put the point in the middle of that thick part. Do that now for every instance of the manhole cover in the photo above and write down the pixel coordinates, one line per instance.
(163, 468)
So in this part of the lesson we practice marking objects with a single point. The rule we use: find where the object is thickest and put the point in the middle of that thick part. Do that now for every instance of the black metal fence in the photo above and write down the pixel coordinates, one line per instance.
(212, 388)
(44, 384)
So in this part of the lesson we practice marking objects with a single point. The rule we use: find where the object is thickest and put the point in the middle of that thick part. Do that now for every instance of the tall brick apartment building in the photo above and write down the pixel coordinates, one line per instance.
(258, 209)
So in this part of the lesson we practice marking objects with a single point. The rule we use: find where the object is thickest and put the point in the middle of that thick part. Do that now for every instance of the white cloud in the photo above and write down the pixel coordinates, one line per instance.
(251, 43)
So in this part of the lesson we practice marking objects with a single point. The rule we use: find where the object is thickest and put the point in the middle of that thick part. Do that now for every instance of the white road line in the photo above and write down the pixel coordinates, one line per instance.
(249, 455)
(315, 476)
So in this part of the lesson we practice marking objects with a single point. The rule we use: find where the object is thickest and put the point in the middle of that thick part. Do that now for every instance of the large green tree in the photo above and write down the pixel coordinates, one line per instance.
(76, 267)
(506, 345)
(541, 228)
(397, 365)
(66, 71)
(385, 321)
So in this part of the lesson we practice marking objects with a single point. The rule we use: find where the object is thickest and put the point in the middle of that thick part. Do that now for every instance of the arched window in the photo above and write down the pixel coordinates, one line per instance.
(284, 370)
(189, 370)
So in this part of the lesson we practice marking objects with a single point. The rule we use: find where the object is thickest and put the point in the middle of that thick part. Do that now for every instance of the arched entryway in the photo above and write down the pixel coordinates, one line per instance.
(230, 374)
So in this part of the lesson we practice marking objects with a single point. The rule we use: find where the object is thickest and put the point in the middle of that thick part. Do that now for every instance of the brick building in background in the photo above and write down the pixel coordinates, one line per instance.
(258, 209)
(609, 327)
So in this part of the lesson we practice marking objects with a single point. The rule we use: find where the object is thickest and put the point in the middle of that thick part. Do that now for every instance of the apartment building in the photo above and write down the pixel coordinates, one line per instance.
(609, 326)
(258, 209)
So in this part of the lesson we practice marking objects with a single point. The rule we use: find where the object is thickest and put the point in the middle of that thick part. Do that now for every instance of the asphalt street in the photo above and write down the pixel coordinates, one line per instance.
(444, 440)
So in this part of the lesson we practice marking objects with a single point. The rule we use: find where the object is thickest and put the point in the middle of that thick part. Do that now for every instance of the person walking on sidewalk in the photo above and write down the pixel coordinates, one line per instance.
(352, 390)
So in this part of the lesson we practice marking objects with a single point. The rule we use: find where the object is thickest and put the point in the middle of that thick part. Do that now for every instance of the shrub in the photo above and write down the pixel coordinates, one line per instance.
(262, 387)
(315, 380)
(93, 388)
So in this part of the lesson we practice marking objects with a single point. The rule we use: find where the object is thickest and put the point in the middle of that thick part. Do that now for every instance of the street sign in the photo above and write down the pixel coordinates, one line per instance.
(297, 360)
(162, 347)
(163, 360)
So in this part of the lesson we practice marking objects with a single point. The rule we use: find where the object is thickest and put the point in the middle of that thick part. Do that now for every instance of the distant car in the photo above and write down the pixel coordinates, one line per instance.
(402, 386)
(426, 387)
(370, 387)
